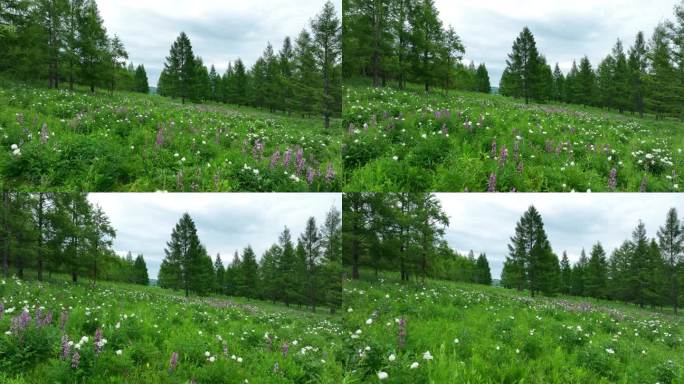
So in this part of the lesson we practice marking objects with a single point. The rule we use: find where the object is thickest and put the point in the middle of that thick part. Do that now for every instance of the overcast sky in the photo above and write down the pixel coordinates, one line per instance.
(225, 222)
(485, 222)
(563, 30)
(220, 30)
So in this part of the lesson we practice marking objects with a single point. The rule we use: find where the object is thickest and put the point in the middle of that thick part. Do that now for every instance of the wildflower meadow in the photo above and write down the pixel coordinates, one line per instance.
(64, 140)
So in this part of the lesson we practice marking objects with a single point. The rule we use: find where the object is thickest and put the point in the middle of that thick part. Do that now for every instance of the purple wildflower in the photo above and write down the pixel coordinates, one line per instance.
(66, 348)
(258, 150)
(491, 185)
(438, 115)
(275, 158)
(173, 362)
(493, 151)
(612, 180)
(310, 174)
(549, 146)
(504, 155)
(299, 161)
(75, 360)
(287, 157)
(330, 174)
(19, 323)
(285, 348)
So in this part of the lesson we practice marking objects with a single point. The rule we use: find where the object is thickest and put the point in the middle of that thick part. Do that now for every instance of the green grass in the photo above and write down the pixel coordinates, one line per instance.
(148, 324)
(478, 334)
(397, 142)
(109, 143)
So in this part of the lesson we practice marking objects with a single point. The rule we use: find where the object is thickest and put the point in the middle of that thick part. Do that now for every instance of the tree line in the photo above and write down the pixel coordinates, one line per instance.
(649, 77)
(50, 233)
(404, 41)
(305, 273)
(643, 270)
(304, 76)
(64, 41)
(404, 232)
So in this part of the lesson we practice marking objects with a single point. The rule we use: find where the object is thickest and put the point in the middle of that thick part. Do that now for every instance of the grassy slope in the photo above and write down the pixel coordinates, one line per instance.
(153, 323)
(561, 147)
(107, 143)
(505, 337)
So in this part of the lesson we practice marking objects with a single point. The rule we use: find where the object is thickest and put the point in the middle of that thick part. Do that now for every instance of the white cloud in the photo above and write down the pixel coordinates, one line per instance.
(485, 222)
(220, 30)
(564, 30)
(225, 222)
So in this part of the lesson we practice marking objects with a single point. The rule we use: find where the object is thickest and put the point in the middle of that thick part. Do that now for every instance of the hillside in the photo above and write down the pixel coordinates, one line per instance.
(61, 140)
(58, 332)
(461, 141)
(459, 333)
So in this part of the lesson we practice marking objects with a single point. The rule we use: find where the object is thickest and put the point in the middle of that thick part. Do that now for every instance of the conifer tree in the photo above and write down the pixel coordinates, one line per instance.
(558, 85)
(483, 79)
(671, 243)
(483, 272)
(249, 273)
(586, 82)
(141, 271)
(596, 272)
(220, 274)
(180, 70)
(565, 274)
(523, 68)
(141, 83)
(327, 47)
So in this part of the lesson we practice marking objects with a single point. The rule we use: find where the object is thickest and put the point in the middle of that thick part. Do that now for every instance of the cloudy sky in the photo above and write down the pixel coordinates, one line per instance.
(220, 30)
(563, 30)
(485, 222)
(225, 222)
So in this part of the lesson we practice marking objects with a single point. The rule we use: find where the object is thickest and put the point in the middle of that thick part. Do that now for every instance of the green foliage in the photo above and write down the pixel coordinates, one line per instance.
(75, 141)
(412, 141)
(458, 332)
(142, 327)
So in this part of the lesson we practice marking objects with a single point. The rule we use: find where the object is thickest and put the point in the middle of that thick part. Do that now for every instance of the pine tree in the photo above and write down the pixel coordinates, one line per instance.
(426, 33)
(92, 45)
(572, 87)
(671, 242)
(220, 274)
(327, 47)
(180, 70)
(483, 79)
(184, 265)
(565, 274)
(606, 85)
(249, 273)
(523, 68)
(306, 77)
(637, 64)
(310, 241)
(586, 83)
(141, 276)
(287, 281)
(596, 272)
(484, 274)
(664, 93)
(141, 83)
(638, 278)
(268, 273)
(620, 77)
(241, 84)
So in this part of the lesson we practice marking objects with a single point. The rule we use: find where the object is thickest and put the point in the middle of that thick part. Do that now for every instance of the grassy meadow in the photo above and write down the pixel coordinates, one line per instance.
(444, 332)
(459, 141)
(57, 140)
(117, 333)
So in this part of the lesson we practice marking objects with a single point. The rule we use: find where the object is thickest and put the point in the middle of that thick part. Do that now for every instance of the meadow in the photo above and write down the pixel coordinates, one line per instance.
(57, 140)
(444, 332)
(116, 333)
(458, 141)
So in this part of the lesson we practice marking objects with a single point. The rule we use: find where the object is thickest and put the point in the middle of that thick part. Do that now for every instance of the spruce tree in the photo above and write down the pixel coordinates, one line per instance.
(249, 273)
(141, 83)
(220, 274)
(565, 274)
(483, 79)
(483, 271)
(637, 73)
(558, 84)
(184, 263)
(596, 272)
(141, 271)
(180, 70)
(586, 83)
(671, 242)
(328, 50)
(523, 68)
